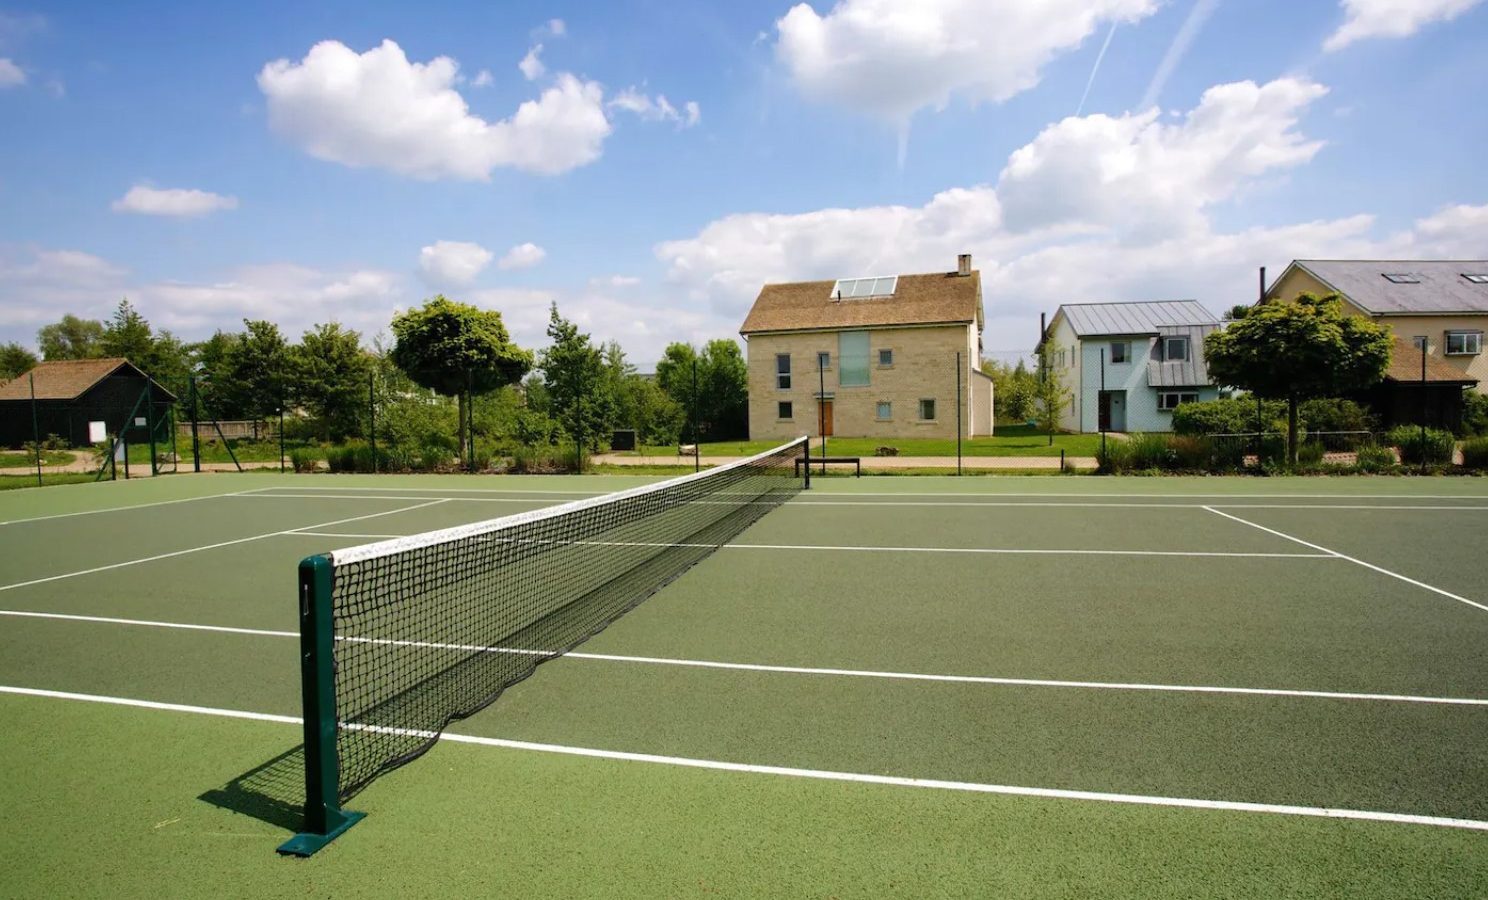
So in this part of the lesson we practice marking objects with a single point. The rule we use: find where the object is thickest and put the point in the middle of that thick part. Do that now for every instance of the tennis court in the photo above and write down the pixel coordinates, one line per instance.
(884, 687)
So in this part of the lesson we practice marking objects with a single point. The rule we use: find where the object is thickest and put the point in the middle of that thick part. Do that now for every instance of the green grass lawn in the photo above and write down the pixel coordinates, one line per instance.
(1010, 440)
(216, 452)
(717, 448)
(11, 482)
(11, 458)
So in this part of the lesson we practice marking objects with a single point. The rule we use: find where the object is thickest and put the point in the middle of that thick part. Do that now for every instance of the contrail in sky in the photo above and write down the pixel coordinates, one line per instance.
(1095, 68)
(1202, 10)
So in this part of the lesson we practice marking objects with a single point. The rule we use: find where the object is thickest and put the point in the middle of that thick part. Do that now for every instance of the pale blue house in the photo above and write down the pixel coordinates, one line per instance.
(1128, 365)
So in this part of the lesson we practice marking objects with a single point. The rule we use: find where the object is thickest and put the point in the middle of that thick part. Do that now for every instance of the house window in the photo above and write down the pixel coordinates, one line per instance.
(1167, 401)
(1476, 277)
(1120, 351)
(852, 358)
(1464, 343)
(823, 360)
(927, 410)
(1419, 342)
(1175, 348)
(885, 358)
(885, 410)
(782, 371)
(784, 410)
(1401, 278)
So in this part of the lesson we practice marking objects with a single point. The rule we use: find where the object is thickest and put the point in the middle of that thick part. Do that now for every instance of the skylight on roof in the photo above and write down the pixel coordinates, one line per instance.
(1402, 278)
(1476, 277)
(861, 288)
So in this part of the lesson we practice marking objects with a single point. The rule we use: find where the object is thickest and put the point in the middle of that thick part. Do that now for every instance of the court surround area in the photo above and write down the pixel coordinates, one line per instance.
(884, 687)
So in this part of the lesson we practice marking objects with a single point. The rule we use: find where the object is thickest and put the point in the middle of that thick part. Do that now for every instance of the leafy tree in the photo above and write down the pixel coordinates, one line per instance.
(71, 338)
(1050, 396)
(1012, 389)
(15, 361)
(457, 350)
(1297, 351)
(1237, 312)
(674, 376)
(211, 359)
(127, 334)
(331, 374)
(581, 395)
(255, 376)
(720, 409)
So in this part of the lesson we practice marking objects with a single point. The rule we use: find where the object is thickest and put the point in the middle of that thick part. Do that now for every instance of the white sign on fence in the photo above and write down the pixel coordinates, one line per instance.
(141, 421)
(97, 432)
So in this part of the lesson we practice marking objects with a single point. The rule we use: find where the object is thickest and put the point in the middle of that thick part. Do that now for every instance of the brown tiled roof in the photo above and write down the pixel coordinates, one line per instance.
(936, 298)
(67, 379)
(1405, 366)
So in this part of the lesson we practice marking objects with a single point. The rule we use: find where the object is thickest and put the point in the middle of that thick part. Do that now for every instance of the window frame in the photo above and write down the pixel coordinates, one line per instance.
(782, 371)
(921, 410)
(824, 360)
(1183, 397)
(785, 411)
(1476, 277)
(1477, 339)
(883, 411)
(1401, 277)
(1180, 340)
(1125, 352)
(881, 355)
(848, 372)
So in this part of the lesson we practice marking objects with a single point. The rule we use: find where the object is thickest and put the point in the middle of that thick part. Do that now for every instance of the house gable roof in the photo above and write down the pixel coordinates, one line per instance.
(1405, 367)
(68, 379)
(939, 298)
(1441, 287)
(1146, 317)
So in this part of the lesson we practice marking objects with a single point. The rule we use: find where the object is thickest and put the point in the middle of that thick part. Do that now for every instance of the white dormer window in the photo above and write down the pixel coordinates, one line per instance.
(1175, 349)
(863, 288)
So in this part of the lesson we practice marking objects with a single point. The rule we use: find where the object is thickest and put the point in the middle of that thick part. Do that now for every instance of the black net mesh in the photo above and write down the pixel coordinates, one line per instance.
(432, 628)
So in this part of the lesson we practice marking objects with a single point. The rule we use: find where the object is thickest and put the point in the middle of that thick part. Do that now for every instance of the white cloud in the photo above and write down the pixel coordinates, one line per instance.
(453, 262)
(532, 67)
(11, 75)
(890, 58)
(556, 27)
(614, 281)
(483, 78)
(378, 109)
(656, 109)
(1198, 15)
(180, 202)
(522, 256)
(1392, 18)
(1137, 172)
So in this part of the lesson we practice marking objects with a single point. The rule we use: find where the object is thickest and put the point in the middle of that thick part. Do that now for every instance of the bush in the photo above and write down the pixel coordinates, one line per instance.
(1310, 453)
(1114, 458)
(1372, 459)
(1150, 451)
(1475, 453)
(304, 459)
(1334, 415)
(1437, 449)
(1475, 413)
(1230, 415)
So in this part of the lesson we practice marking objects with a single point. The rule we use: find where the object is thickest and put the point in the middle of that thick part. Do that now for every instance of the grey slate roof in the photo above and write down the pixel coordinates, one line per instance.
(1091, 319)
(1190, 372)
(1442, 288)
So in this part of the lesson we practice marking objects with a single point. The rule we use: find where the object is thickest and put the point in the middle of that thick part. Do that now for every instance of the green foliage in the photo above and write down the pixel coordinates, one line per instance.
(305, 459)
(252, 379)
(161, 356)
(580, 394)
(1437, 448)
(15, 361)
(1114, 459)
(71, 338)
(1475, 453)
(1050, 396)
(1310, 453)
(330, 380)
(721, 403)
(1331, 414)
(452, 348)
(1228, 415)
(1237, 312)
(1475, 413)
(1013, 389)
(1373, 459)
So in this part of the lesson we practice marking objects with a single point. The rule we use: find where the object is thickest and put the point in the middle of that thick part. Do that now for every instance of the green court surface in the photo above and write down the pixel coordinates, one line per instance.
(913, 687)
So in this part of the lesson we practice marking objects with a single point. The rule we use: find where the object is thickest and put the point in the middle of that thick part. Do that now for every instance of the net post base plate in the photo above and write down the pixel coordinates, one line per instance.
(307, 843)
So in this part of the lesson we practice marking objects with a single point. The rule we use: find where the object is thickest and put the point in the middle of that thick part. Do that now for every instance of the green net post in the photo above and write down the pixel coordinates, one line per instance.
(325, 820)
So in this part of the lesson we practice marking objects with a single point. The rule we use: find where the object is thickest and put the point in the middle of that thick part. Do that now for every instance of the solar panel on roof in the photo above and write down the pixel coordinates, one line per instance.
(860, 288)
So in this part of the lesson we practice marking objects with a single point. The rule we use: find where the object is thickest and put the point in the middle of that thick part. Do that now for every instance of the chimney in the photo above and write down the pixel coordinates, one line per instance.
(1043, 327)
(963, 264)
(1263, 283)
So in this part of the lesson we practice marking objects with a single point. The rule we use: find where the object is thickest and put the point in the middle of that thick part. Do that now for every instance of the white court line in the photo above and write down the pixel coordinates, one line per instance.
(1321, 812)
(393, 490)
(1358, 562)
(89, 512)
(849, 493)
(256, 537)
(790, 670)
(386, 498)
(1008, 551)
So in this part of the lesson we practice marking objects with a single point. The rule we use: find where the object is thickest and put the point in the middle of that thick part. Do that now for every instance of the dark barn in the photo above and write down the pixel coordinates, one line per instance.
(1403, 397)
(71, 393)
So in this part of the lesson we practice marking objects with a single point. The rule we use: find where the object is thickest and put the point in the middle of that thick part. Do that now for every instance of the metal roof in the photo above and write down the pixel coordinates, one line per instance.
(1190, 372)
(1439, 288)
(1088, 319)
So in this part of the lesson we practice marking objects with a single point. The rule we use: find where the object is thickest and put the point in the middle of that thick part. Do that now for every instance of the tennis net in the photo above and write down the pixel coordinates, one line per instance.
(431, 628)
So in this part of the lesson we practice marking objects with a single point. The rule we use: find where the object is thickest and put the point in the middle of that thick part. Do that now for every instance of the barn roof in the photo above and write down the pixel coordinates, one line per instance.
(68, 379)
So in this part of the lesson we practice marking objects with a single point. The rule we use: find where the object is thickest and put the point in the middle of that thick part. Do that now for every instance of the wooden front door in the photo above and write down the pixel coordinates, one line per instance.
(824, 418)
(1104, 414)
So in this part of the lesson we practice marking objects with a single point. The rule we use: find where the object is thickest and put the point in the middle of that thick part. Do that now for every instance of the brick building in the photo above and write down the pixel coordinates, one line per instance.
(869, 357)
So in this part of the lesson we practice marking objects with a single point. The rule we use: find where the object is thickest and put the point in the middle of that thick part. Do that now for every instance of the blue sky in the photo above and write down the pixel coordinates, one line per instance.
(654, 163)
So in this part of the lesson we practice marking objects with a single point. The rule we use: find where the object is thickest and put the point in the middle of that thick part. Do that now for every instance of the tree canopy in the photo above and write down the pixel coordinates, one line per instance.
(1300, 350)
(580, 394)
(719, 409)
(452, 348)
(331, 373)
(71, 338)
(15, 360)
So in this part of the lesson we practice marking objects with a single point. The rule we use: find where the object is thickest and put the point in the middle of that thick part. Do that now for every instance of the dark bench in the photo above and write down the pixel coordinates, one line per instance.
(825, 461)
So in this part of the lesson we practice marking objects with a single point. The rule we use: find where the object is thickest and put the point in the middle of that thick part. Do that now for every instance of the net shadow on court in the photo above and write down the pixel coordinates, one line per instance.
(271, 792)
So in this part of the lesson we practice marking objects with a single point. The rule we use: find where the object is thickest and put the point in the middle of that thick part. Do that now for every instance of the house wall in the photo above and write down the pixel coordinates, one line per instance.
(924, 367)
(1142, 412)
(1435, 328)
(109, 401)
(1066, 367)
(983, 403)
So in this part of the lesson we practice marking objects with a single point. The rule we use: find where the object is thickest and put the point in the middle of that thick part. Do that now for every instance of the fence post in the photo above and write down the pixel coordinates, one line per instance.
(1098, 398)
(959, 427)
(371, 418)
(195, 441)
(150, 422)
(35, 429)
(821, 409)
(1423, 407)
(281, 436)
(697, 449)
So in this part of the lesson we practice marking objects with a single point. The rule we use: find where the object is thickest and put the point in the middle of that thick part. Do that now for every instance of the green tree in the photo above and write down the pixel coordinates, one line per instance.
(210, 363)
(674, 375)
(71, 338)
(255, 376)
(331, 373)
(1050, 396)
(457, 350)
(1297, 351)
(1012, 389)
(579, 390)
(128, 335)
(1237, 312)
(720, 409)
(15, 360)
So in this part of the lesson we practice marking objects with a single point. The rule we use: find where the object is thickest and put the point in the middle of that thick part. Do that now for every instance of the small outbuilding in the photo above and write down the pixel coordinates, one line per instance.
(70, 394)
